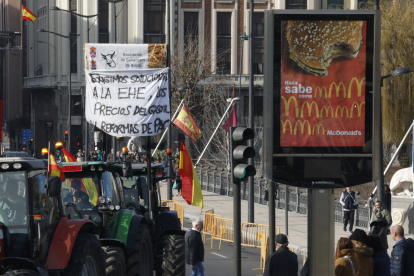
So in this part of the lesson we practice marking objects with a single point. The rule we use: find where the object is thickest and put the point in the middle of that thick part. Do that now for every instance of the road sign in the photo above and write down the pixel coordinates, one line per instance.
(24, 142)
(27, 134)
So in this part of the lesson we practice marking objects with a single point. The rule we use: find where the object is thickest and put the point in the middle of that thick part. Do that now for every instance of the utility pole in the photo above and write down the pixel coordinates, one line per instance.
(251, 115)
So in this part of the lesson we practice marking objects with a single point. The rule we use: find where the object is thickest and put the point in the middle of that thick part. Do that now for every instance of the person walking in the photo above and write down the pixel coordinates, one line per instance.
(79, 156)
(282, 261)
(381, 213)
(194, 249)
(110, 156)
(346, 262)
(402, 255)
(349, 201)
(363, 253)
(380, 256)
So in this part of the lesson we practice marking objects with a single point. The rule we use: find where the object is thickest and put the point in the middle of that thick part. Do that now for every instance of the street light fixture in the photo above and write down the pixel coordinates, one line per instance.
(70, 79)
(116, 15)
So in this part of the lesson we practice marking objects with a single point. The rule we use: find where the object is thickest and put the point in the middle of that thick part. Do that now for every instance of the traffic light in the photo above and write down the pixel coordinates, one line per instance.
(240, 152)
(31, 142)
(66, 135)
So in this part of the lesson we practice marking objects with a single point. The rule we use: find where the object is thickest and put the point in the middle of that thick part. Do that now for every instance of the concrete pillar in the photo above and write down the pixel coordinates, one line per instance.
(321, 232)
(136, 22)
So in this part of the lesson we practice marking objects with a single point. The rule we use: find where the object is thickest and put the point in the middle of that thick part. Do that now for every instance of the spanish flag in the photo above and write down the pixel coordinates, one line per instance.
(28, 15)
(54, 169)
(186, 123)
(68, 156)
(190, 186)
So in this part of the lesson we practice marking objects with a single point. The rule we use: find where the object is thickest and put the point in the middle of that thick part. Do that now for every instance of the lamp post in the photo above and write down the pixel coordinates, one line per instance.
(87, 41)
(242, 38)
(250, 201)
(70, 79)
(380, 182)
(116, 15)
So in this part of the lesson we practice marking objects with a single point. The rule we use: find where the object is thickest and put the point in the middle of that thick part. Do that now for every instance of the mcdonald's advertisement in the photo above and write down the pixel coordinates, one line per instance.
(323, 83)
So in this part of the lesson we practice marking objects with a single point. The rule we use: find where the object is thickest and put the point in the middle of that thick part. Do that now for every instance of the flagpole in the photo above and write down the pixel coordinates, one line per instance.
(165, 131)
(218, 125)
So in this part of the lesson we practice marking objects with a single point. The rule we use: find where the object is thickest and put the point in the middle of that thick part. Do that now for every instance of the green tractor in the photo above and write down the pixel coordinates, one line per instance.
(135, 230)
(36, 236)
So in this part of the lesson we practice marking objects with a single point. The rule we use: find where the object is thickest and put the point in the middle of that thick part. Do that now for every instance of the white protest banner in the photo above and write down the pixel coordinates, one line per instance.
(116, 57)
(128, 103)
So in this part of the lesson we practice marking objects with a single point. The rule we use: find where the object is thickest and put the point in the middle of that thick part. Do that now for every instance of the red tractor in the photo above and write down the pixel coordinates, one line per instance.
(36, 237)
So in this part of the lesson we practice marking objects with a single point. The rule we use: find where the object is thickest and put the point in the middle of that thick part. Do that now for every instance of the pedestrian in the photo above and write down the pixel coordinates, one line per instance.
(194, 249)
(363, 253)
(79, 156)
(178, 181)
(93, 156)
(282, 261)
(402, 255)
(346, 262)
(118, 156)
(110, 157)
(381, 213)
(349, 201)
(380, 256)
(387, 197)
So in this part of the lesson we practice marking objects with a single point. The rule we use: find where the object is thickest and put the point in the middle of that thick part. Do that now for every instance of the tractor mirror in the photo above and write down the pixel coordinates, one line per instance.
(54, 187)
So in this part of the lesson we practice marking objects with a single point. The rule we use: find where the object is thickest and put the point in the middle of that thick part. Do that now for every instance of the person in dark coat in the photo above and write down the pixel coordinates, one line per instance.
(282, 262)
(387, 197)
(402, 255)
(194, 249)
(349, 201)
(380, 256)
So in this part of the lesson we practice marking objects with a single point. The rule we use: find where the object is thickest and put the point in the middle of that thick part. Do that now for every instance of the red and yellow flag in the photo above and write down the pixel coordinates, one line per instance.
(68, 156)
(187, 124)
(54, 169)
(190, 187)
(28, 15)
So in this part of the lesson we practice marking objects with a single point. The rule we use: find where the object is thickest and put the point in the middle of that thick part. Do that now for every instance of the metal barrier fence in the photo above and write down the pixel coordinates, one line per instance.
(250, 233)
(219, 182)
(176, 206)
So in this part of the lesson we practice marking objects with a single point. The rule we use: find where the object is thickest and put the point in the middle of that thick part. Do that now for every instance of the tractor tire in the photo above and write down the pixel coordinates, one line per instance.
(115, 261)
(139, 260)
(87, 257)
(173, 257)
(21, 272)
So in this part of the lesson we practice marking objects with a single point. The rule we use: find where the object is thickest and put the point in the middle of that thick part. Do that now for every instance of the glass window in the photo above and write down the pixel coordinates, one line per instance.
(107, 185)
(154, 21)
(81, 189)
(335, 4)
(103, 22)
(120, 188)
(224, 42)
(190, 26)
(76, 110)
(136, 191)
(116, 198)
(297, 4)
(258, 42)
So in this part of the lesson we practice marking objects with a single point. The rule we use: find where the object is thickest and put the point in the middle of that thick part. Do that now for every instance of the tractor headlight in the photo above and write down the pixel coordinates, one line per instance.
(17, 166)
(111, 207)
(117, 207)
(100, 168)
(101, 199)
(5, 166)
(92, 168)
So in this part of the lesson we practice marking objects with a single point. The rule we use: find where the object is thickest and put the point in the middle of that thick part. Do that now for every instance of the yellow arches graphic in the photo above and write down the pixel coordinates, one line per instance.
(302, 127)
(284, 126)
(342, 108)
(287, 105)
(337, 88)
(310, 109)
(318, 126)
(327, 111)
(357, 106)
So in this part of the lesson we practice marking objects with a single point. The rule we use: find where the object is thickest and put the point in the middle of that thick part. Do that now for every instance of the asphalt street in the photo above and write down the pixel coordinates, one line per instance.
(221, 262)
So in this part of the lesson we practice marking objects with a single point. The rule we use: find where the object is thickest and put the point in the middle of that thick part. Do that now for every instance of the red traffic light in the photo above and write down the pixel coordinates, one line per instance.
(66, 132)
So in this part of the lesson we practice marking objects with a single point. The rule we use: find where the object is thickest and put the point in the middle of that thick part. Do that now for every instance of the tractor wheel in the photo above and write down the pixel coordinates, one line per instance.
(21, 272)
(115, 261)
(173, 258)
(87, 257)
(140, 258)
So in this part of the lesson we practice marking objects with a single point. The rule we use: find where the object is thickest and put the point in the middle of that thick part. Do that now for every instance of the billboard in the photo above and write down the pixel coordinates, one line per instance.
(321, 115)
(323, 83)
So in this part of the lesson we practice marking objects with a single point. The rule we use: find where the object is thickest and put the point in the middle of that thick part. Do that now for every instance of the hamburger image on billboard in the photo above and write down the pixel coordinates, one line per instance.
(323, 83)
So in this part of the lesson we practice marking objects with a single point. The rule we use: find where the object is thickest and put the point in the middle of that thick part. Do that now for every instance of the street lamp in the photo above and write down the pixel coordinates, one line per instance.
(116, 15)
(243, 38)
(70, 79)
(380, 182)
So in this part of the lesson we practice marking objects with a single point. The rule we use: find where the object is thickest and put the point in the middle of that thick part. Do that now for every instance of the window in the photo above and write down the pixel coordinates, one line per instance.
(76, 110)
(107, 186)
(190, 26)
(297, 4)
(154, 21)
(224, 42)
(73, 38)
(258, 47)
(335, 4)
(103, 22)
(116, 198)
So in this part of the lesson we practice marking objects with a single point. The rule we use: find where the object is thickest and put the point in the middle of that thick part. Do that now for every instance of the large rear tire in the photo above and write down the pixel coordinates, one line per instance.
(140, 257)
(87, 258)
(173, 258)
(115, 261)
(21, 272)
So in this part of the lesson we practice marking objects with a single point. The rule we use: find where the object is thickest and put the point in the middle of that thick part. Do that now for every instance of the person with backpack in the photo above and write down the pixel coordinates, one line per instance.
(349, 201)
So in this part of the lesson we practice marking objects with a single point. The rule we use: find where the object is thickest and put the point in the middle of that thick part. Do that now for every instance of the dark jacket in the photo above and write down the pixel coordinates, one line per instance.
(364, 255)
(281, 263)
(381, 263)
(402, 258)
(381, 213)
(349, 200)
(387, 200)
(194, 247)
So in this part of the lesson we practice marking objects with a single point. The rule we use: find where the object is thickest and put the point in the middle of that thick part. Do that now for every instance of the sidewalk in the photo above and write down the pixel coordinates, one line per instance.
(297, 223)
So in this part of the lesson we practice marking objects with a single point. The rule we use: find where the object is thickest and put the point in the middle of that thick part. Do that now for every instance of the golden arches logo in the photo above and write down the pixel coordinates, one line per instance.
(359, 106)
(284, 124)
(337, 88)
(327, 111)
(287, 105)
(302, 127)
(318, 126)
(342, 111)
(310, 109)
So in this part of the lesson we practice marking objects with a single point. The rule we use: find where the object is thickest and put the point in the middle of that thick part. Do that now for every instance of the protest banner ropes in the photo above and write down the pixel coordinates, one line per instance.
(125, 56)
(128, 103)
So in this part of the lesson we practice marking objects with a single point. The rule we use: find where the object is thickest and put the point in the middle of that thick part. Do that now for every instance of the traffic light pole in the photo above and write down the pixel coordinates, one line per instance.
(251, 116)
(237, 232)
